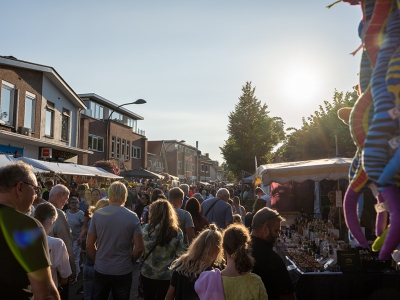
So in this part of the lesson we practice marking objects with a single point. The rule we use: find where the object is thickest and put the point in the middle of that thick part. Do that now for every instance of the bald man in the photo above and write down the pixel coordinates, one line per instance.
(217, 210)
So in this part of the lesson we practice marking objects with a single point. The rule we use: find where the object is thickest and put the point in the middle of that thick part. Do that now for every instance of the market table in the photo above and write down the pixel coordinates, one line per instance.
(377, 285)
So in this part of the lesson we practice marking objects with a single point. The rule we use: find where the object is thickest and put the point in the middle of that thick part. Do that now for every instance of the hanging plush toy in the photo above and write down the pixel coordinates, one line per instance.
(380, 164)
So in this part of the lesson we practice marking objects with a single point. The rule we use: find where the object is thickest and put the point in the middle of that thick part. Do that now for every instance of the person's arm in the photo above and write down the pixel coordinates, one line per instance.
(139, 247)
(190, 234)
(291, 296)
(90, 245)
(42, 284)
(171, 293)
(83, 230)
(228, 216)
(64, 233)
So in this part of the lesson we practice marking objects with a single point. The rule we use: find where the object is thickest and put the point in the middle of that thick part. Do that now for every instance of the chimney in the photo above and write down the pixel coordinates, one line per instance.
(197, 144)
(207, 155)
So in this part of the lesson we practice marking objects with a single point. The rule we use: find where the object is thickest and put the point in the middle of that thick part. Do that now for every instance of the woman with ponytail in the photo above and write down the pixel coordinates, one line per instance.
(236, 280)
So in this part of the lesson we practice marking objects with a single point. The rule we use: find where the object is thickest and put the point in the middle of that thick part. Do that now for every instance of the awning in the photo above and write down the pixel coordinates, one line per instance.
(20, 138)
(140, 173)
(8, 159)
(300, 171)
(100, 172)
(59, 168)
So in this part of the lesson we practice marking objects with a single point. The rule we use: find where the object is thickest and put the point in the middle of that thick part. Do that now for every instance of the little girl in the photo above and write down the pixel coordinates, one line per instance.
(235, 281)
(46, 214)
(204, 251)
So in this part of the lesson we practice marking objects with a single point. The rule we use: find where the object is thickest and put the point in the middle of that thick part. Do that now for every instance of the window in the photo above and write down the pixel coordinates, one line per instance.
(118, 147)
(136, 152)
(179, 165)
(7, 102)
(112, 147)
(132, 123)
(94, 110)
(96, 143)
(30, 104)
(65, 124)
(150, 163)
(117, 117)
(123, 149)
(192, 167)
(128, 149)
(49, 119)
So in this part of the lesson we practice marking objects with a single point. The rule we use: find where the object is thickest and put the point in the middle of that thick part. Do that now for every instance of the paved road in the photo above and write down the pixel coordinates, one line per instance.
(73, 288)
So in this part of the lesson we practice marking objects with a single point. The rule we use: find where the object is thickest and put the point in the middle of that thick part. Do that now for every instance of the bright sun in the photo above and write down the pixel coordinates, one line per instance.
(301, 83)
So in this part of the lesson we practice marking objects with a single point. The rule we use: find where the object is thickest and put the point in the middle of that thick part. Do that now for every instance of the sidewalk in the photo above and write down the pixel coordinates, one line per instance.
(135, 277)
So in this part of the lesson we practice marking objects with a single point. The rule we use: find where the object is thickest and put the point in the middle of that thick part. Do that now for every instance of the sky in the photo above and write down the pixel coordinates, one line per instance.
(190, 59)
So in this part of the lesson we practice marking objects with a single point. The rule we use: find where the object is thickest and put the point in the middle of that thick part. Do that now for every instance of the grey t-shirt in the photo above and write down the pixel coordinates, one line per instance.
(75, 222)
(185, 221)
(219, 214)
(115, 227)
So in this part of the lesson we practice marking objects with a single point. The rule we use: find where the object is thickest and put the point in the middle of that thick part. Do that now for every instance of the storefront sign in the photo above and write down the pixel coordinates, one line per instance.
(16, 151)
(46, 153)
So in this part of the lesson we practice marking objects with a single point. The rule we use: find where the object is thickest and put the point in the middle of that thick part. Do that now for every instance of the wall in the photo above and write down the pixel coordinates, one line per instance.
(24, 80)
(53, 94)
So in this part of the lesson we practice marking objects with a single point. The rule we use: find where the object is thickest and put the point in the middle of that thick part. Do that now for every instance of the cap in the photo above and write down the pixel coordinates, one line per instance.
(73, 184)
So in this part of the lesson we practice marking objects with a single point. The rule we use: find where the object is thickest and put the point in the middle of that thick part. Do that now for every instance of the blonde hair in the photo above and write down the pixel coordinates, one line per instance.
(203, 252)
(117, 192)
(163, 214)
(100, 204)
(237, 218)
(236, 242)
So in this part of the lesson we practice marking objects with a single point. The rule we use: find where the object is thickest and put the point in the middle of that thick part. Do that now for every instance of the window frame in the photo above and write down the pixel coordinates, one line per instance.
(66, 115)
(95, 138)
(31, 97)
(49, 108)
(136, 152)
(113, 147)
(118, 150)
(11, 87)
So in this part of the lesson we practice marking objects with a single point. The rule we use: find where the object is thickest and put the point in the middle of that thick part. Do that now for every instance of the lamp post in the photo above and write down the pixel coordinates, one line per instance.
(165, 151)
(138, 101)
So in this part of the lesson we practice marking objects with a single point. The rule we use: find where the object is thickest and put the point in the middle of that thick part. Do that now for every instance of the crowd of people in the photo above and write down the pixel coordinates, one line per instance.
(190, 244)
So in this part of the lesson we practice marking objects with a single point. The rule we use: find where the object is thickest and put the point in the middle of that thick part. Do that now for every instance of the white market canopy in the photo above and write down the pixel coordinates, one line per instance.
(58, 168)
(9, 159)
(100, 172)
(300, 171)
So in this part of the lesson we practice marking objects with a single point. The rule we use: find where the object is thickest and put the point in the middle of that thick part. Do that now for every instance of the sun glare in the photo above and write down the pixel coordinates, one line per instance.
(301, 83)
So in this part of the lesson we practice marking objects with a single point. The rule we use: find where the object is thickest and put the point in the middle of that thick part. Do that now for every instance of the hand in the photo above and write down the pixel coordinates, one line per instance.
(79, 240)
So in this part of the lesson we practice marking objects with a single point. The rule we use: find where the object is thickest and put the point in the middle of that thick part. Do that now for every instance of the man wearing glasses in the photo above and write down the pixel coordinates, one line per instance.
(268, 264)
(25, 261)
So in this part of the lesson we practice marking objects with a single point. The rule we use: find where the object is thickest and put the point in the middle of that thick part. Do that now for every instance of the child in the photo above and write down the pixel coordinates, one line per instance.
(237, 280)
(46, 214)
(204, 251)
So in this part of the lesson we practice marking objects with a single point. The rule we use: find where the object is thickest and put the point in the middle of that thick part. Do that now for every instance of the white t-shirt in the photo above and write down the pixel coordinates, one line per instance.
(59, 259)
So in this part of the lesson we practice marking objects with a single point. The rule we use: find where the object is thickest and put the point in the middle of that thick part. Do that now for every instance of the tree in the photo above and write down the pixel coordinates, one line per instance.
(252, 133)
(316, 138)
(228, 175)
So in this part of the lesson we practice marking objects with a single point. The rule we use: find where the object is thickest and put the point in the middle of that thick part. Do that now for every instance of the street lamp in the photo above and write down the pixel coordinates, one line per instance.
(165, 151)
(138, 101)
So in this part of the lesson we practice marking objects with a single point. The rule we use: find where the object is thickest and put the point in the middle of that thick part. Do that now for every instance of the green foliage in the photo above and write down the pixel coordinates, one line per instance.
(228, 175)
(252, 133)
(316, 138)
